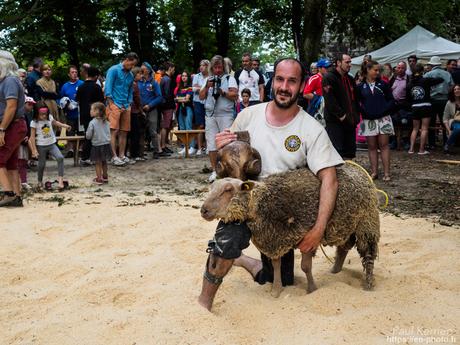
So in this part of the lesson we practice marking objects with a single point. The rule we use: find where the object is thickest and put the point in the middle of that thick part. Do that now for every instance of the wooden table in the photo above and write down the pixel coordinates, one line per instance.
(186, 136)
(77, 139)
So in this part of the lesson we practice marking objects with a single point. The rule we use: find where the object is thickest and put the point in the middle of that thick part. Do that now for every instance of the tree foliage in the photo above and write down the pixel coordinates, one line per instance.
(98, 31)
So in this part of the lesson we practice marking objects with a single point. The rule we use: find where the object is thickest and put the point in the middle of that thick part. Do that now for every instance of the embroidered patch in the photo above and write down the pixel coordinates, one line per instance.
(292, 143)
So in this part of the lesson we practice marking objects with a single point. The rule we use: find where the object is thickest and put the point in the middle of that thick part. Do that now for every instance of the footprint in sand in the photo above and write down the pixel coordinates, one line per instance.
(123, 299)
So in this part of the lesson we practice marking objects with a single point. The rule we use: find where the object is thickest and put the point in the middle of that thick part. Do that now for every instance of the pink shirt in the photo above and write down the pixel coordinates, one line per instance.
(399, 88)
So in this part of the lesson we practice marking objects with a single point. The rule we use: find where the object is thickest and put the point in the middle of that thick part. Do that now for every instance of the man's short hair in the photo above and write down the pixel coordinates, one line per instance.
(450, 61)
(256, 59)
(167, 65)
(92, 72)
(248, 55)
(412, 57)
(338, 57)
(302, 69)
(403, 62)
(73, 67)
(131, 56)
(37, 63)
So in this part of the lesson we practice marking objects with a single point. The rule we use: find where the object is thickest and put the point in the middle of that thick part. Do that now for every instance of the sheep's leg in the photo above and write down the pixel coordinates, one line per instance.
(341, 254)
(277, 285)
(306, 267)
(368, 255)
(216, 269)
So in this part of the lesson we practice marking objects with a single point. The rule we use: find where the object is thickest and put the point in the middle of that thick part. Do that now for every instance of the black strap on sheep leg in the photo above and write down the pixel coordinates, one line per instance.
(208, 275)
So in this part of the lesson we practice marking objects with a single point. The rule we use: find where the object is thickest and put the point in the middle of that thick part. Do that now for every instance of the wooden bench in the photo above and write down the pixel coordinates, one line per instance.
(77, 139)
(186, 136)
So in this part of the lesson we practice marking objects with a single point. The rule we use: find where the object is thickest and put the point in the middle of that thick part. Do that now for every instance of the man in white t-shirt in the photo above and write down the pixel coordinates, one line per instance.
(249, 78)
(287, 138)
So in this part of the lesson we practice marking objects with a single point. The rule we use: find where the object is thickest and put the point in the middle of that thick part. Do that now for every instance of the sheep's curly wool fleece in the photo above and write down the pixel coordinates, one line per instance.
(282, 208)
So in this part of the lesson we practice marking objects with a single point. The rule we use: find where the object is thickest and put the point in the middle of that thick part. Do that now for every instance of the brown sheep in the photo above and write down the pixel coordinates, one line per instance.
(238, 160)
(282, 208)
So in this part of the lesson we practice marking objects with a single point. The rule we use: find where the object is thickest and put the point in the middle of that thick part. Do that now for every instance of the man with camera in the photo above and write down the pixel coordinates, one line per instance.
(220, 92)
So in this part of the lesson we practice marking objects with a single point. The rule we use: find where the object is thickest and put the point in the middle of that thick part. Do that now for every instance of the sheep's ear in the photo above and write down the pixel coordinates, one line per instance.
(247, 186)
(220, 170)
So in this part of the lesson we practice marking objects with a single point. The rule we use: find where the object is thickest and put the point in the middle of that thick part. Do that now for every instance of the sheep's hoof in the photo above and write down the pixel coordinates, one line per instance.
(276, 291)
(311, 288)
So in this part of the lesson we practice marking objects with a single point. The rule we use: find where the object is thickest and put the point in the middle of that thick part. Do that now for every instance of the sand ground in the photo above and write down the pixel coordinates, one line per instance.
(123, 264)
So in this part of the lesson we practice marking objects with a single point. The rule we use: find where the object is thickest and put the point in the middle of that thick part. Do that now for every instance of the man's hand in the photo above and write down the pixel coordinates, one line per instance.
(35, 154)
(224, 138)
(146, 107)
(311, 241)
(2, 139)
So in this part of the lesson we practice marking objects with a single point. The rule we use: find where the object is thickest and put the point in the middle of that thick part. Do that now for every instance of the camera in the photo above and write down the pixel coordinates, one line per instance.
(216, 87)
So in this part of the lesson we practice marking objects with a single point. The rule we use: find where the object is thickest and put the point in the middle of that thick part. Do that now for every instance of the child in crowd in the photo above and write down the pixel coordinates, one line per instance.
(43, 141)
(245, 95)
(23, 154)
(99, 133)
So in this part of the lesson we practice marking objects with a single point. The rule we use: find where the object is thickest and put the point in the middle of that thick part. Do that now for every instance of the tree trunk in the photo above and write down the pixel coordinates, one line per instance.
(69, 32)
(223, 27)
(199, 11)
(314, 20)
(146, 32)
(296, 24)
(130, 15)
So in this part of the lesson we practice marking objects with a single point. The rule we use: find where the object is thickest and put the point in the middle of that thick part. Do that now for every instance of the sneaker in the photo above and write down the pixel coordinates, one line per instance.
(212, 177)
(181, 152)
(199, 152)
(126, 160)
(139, 159)
(26, 186)
(167, 150)
(98, 181)
(11, 201)
(105, 179)
(117, 162)
(155, 155)
(192, 151)
(424, 153)
(85, 162)
(446, 148)
(164, 154)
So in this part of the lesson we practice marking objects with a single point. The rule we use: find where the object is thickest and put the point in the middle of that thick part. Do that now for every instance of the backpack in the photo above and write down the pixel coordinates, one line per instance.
(316, 109)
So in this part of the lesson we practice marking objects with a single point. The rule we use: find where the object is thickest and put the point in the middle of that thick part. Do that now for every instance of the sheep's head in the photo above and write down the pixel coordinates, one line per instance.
(221, 202)
(238, 160)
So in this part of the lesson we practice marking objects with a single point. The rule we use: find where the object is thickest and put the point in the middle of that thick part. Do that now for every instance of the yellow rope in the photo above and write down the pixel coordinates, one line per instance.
(370, 179)
(378, 190)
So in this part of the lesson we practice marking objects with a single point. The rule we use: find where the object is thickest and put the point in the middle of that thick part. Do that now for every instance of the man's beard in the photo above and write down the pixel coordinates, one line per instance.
(287, 104)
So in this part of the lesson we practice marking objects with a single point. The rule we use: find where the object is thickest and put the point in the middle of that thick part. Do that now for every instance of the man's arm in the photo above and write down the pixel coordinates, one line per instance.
(261, 92)
(108, 87)
(8, 116)
(327, 197)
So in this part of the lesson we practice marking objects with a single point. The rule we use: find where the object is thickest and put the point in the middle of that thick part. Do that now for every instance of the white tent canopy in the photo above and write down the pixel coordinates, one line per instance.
(418, 41)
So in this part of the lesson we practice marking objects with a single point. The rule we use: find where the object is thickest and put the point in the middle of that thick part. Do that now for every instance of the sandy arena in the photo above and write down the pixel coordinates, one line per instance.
(123, 263)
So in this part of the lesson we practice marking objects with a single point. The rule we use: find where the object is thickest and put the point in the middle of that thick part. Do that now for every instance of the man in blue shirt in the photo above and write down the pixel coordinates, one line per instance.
(151, 98)
(119, 94)
(68, 101)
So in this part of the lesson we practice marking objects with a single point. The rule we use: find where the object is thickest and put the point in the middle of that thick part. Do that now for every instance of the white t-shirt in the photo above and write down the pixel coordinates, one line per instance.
(249, 80)
(198, 79)
(44, 133)
(302, 142)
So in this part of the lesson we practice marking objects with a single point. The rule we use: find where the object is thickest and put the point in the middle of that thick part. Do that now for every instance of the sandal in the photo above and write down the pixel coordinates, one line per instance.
(386, 179)
(98, 181)
(375, 176)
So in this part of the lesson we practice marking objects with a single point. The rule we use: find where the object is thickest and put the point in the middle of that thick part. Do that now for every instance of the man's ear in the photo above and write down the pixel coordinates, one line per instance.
(247, 186)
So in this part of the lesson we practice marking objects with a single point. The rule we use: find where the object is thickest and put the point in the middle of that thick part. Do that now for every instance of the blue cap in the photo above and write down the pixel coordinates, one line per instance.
(323, 63)
(146, 64)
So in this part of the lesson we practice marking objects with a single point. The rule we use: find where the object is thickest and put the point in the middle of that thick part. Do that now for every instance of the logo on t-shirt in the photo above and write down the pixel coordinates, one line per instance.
(292, 143)
(418, 93)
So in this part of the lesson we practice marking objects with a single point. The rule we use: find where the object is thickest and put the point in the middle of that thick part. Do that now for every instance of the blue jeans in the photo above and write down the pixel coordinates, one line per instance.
(185, 119)
(454, 134)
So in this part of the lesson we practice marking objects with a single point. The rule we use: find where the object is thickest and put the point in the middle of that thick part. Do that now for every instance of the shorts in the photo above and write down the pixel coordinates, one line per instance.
(214, 125)
(199, 114)
(371, 128)
(166, 118)
(14, 136)
(119, 119)
(419, 113)
(229, 240)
